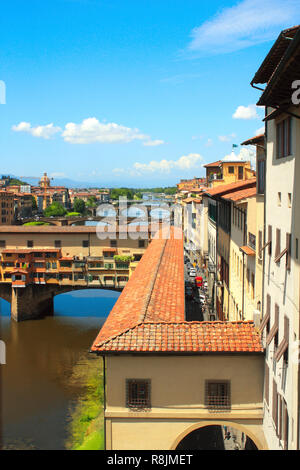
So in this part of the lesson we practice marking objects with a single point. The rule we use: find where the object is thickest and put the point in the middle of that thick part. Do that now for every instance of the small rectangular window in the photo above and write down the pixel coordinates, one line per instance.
(113, 243)
(279, 199)
(29, 243)
(141, 243)
(57, 243)
(138, 393)
(297, 249)
(284, 138)
(241, 173)
(267, 383)
(217, 394)
(2, 244)
(231, 170)
(85, 243)
(289, 199)
(288, 254)
(277, 248)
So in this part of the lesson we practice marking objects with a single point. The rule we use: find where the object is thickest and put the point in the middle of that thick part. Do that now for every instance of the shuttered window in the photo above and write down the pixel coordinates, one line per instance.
(283, 347)
(284, 138)
(259, 244)
(285, 425)
(275, 405)
(288, 254)
(266, 319)
(267, 383)
(270, 239)
(274, 329)
(277, 248)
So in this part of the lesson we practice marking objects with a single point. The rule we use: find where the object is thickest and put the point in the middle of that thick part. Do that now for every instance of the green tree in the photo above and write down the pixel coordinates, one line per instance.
(92, 201)
(34, 204)
(118, 192)
(79, 205)
(56, 209)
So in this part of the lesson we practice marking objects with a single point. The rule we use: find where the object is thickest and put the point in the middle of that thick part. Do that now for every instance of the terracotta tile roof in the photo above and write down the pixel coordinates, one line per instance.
(247, 250)
(275, 55)
(214, 164)
(254, 140)
(30, 250)
(155, 290)
(71, 229)
(241, 194)
(185, 337)
(188, 200)
(19, 270)
(227, 188)
(149, 316)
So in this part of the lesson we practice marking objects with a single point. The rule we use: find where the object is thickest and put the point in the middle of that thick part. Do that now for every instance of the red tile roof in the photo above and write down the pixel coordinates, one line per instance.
(227, 188)
(241, 194)
(275, 55)
(254, 140)
(214, 164)
(247, 250)
(185, 337)
(149, 316)
(74, 229)
(149, 289)
(30, 250)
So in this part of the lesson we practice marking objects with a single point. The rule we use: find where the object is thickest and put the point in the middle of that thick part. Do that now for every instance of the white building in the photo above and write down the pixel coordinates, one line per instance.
(280, 249)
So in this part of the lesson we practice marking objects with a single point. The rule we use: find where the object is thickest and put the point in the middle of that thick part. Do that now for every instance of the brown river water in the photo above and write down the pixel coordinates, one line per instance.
(42, 356)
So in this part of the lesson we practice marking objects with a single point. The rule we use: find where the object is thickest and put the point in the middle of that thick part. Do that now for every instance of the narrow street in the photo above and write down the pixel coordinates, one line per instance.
(193, 307)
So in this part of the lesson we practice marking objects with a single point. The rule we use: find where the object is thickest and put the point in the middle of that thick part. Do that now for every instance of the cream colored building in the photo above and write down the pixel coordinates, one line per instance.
(179, 398)
(80, 241)
(280, 326)
(242, 299)
(259, 142)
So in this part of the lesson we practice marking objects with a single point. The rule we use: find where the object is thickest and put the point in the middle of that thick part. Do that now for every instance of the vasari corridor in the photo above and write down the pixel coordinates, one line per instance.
(149, 231)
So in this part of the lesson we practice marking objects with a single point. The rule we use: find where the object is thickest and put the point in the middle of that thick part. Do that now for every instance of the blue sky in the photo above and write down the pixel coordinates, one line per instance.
(131, 92)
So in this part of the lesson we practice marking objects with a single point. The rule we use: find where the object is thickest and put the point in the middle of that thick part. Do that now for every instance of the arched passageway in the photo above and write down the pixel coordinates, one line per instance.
(216, 437)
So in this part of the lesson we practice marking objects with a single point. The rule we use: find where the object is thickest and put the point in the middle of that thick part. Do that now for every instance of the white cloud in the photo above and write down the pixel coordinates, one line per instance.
(248, 23)
(118, 170)
(45, 132)
(246, 112)
(227, 138)
(246, 153)
(209, 143)
(91, 130)
(153, 143)
(186, 162)
(260, 131)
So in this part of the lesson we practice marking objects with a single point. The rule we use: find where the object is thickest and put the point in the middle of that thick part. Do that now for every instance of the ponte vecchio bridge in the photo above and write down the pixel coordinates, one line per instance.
(39, 262)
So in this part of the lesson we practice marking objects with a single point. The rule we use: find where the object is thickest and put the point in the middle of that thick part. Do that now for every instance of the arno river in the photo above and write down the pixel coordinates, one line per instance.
(39, 383)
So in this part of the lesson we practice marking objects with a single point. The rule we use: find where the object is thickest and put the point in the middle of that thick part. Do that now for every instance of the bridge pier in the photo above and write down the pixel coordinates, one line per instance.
(28, 303)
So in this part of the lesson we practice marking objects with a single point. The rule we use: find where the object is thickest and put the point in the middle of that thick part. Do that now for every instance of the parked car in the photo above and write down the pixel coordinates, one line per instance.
(192, 273)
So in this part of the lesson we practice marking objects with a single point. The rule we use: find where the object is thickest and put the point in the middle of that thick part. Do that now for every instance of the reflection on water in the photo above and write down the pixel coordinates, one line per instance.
(41, 356)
